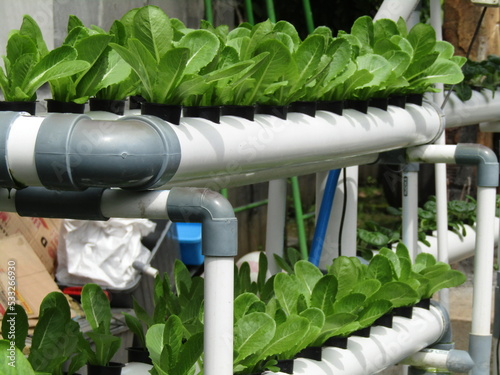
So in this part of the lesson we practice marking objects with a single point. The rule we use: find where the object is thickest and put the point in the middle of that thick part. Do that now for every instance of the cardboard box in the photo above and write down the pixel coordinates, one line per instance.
(32, 281)
(42, 235)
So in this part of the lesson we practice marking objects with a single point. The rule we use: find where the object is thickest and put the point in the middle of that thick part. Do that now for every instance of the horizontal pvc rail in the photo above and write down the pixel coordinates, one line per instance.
(383, 348)
(460, 247)
(238, 151)
(73, 152)
(483, 106)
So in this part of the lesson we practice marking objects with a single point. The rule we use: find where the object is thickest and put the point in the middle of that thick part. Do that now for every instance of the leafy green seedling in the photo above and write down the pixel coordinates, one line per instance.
(97, 310)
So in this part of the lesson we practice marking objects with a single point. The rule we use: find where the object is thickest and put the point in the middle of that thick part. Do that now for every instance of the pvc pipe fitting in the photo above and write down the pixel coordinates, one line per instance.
(445, 360)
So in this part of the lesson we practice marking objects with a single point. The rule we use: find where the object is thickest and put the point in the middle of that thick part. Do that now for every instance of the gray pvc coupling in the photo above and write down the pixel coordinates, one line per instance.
(6, 121)
(73, 152)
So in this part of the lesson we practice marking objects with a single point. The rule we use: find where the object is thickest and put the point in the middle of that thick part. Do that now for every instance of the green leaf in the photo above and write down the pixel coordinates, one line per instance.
(287, 334)
(380, 269)
(398, 293)
(17, 364)
(422, 37)
(106, 346)
(19, 45)
(15, 325)
(448, 279)
(324, 294)
(252, 333)
(97, 309)
(242, 304)
(286, 290)
(117, 70)
(203, 47)
(59, 63)
(170, 72)
(394, 261)
(372, 312)
(30, 28)
(190, 353)
(308, 274)
(367, 287)
(364, 31)
(347, 275)
(384, 28)
(172, 336)
(442, 71)
(153, 29)
(337, 325)
(135, 326)
(351, 304)
(155, 341)
(423, 261)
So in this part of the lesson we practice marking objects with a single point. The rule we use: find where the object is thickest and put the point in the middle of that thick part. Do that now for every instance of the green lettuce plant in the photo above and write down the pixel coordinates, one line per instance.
(90, 46)
(54, 342)
(97, 310)
(28, 64)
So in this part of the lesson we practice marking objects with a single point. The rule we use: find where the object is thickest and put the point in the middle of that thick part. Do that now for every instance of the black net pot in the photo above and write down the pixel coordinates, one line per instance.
(285, 365)
(113, 368)
(167, 112)
(307, 108)
(358, 105)
(417, 99)
(424, 303)
(311, 352)
(337, 342)
(243, 111)
(398, 100)
(114, 106)
(135, 101)
(333, 106)
(384, 321)
(55, 106)
(381, 103)
(208, 112)
(138, 354)
(404, 311)
(279, 111)
(29, 107)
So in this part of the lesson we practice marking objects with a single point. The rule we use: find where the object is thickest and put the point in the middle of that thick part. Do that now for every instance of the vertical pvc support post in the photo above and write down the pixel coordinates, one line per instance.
(276, 219)
(440, 168)
(480, 336)
(410, 207)
(219, 246)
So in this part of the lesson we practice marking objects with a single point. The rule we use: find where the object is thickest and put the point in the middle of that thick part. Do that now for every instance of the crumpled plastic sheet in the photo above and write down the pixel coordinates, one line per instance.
(102, 252)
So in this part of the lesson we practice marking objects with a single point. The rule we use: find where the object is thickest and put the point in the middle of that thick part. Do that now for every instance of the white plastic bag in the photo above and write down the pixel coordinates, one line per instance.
(102, 252)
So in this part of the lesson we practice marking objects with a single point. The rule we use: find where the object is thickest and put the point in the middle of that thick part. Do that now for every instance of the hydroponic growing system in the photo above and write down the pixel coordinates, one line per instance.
(84, 166)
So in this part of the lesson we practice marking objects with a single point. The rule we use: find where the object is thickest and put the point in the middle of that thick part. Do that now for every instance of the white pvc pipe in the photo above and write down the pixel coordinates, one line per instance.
(240, 147)
(459, 247)
(410, 211)
(20, 151)
(136, 204)
(276, 219)
(218, 318)
(432, 154)
(394, 9)
(483, 261)
(441, 179)
(481, 107)
(384, 347)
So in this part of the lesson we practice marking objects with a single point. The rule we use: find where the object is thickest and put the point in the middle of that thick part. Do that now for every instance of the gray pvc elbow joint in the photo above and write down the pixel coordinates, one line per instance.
(73, 152)
(219, 225)
(484, 158)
